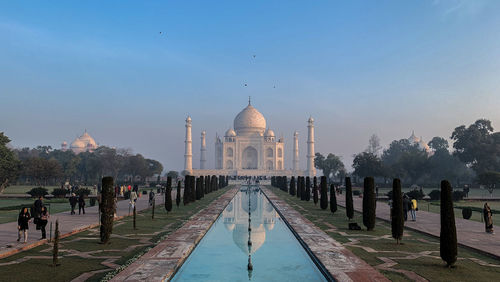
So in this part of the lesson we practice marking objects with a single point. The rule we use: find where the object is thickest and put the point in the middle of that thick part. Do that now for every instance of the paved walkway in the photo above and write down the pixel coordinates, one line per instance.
(161, 262)
(341, 263)
(469, 233)
(68, 225)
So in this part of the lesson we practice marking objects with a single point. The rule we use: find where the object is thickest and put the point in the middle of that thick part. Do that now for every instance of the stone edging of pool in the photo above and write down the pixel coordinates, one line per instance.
(341, 263)
(163, 261)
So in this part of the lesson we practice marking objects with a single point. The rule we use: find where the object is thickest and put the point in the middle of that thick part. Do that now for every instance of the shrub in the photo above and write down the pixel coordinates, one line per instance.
(369, 203)
(333, 198)
(292, 186)
(466, 213)
(415, 194)
(448, 234)
(59, 192)
(107, 209)
(349, 207)
(323, 202)
(397, 219)
(83, 191)
(458, 196)
(356, 192)
(37, 192)
(92, 202)
(144, 192)
(435, 195)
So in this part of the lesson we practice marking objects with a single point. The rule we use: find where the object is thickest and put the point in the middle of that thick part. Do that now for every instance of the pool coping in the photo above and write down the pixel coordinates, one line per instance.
(329, 255)
(165, 259)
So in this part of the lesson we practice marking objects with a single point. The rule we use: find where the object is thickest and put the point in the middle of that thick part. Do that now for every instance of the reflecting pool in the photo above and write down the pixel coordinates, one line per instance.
(223, 254)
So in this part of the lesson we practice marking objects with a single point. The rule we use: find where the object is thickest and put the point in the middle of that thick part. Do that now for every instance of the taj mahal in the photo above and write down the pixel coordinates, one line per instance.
(250, 148)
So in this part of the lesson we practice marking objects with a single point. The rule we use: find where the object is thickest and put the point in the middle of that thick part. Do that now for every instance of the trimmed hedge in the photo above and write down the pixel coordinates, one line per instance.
(38, 191)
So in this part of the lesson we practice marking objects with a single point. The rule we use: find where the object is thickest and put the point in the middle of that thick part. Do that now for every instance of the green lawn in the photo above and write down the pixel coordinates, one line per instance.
(419, 253)
(476, 192)
(129, 244)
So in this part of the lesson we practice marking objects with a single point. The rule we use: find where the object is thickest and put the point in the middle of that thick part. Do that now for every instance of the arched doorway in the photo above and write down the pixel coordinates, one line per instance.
(249, 158)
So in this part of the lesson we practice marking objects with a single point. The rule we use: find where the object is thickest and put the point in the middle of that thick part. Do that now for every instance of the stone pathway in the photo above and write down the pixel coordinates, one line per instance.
(161, 262)
(68, 225)
(469, 233)
(342, 264)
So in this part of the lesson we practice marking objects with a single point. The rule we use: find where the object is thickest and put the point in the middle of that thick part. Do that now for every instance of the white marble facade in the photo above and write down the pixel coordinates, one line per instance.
(249, 148)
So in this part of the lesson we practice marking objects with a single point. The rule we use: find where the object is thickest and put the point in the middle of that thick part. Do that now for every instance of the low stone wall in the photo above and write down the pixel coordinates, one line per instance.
(162, 262)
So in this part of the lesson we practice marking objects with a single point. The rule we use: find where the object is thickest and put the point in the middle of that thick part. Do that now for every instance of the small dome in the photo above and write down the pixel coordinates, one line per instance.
(88, 140)
(310, 119)
(269, 133)
(188, 119)
(249, 122)
(230, 133)
(413, 139)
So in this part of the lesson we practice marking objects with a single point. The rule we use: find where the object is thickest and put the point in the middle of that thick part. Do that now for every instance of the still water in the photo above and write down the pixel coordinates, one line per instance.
(223, 254)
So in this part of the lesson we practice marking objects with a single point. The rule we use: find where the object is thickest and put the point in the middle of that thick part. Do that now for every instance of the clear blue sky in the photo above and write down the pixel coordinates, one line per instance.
(358, 67)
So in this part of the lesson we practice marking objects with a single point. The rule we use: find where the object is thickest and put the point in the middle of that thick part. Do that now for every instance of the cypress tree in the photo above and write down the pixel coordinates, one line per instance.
(153, 210)
(185, 196)
(369, 203)
(308, 188)
(302, 188)
(178, 194)
(333, 199)
(448, 235)
(169, 186)
(107, 207)
(324, 194)
(168, 198)
(397, 219)
(55, 250)
(349, 206)
(198, 188)
(315, 192)
(192, 189)
(292, 186)
(285, 184)
(308, 191)
(202, 186)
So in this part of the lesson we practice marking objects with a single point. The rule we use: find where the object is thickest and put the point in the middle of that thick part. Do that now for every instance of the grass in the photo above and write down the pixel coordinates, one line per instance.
(428, 265)
(147, 234)
(22, 189)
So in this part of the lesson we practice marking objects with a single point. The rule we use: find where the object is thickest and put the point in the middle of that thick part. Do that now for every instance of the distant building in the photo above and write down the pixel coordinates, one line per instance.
(414, 140)
(84, 143)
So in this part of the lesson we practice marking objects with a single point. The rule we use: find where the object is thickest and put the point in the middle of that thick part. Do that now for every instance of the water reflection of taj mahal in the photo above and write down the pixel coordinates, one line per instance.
(263, 218)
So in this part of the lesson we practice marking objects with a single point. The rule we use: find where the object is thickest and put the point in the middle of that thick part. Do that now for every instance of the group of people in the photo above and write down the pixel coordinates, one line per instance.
(409, 205)
(40, 217)
(80, 200)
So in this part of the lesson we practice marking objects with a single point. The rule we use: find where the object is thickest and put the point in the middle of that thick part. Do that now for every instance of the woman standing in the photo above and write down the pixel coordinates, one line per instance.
(42, 222)
(488, 221)
(81, 204)
(22, 224)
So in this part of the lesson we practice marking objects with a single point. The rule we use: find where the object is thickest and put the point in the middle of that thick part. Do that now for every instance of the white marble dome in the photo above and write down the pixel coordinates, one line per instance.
(230, 133)
(269, 133)
(250, 122)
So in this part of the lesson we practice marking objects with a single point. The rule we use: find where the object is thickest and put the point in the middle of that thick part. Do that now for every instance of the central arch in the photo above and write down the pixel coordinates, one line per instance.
(249, 158)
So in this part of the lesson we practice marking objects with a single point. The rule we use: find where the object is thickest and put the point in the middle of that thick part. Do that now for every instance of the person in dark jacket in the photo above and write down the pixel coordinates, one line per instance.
(81, 204)
(38, 207)
(73, 201)
(22, 224)
(42, 222)
(406, 202)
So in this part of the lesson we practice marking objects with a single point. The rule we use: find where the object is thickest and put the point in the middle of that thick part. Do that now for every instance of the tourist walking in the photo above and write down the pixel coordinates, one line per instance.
(22, 224)
(81, 204)
(72, 202)
(488, 221)
(413, 209)
(37, 207)
(405, 207)
(151, 197)
(42, 222)
(133, 198)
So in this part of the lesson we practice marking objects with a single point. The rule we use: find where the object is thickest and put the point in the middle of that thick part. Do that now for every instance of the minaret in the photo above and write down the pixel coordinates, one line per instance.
(188, 153)
(203, 151)
(296, 151)
(311, 170)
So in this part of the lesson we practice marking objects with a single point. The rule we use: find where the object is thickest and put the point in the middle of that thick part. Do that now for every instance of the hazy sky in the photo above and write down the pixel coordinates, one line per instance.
(358, 67)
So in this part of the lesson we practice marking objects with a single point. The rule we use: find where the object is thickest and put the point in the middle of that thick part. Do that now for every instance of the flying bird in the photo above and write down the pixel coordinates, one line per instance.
(254, 56)
(246, 84)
